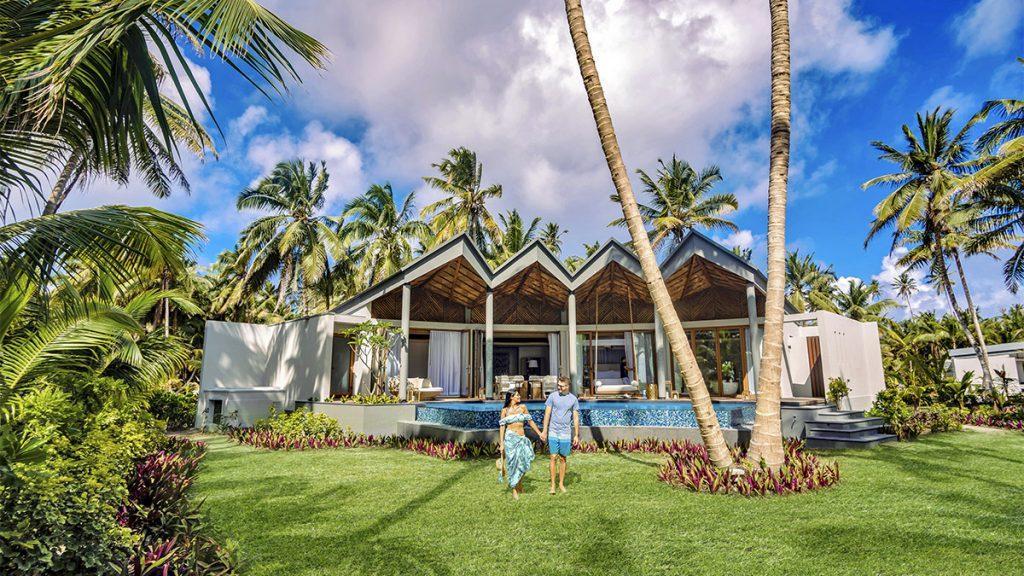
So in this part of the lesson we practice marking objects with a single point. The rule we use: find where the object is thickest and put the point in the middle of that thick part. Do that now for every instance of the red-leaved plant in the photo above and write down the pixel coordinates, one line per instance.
(689, 467)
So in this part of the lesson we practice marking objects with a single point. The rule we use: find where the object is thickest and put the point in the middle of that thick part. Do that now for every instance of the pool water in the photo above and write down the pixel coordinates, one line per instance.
(484, 415)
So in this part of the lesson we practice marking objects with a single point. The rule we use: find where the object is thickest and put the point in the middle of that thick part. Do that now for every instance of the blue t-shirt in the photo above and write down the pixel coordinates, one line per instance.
(562, 406)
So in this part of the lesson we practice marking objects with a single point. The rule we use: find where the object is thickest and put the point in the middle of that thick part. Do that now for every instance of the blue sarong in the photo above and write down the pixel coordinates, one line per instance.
(518, 450)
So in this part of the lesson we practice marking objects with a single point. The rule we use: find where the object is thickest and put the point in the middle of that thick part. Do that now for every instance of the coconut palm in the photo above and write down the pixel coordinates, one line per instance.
(573, 263)
(295, 241)
(707, 421)
(551, 236)
(82, 79)
(591, 248)
(1000, 222)
(808, 284)
(381, 232)
(925, 209)
(745, 253)
(681, 199)
(766, 437)
(515, 235)
(860, 301)
(905, 286)
(1002, 144)
(464, 209)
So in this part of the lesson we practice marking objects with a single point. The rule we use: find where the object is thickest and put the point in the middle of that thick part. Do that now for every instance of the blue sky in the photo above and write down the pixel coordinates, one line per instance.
(407, 83)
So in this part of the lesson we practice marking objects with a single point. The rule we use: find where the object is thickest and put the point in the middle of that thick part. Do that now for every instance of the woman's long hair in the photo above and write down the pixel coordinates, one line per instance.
(508, 399)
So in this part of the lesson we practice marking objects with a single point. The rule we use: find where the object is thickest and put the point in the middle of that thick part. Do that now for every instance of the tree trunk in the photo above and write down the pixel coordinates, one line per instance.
(909, 309)
(766, 437)
(707, 420)
(61, 188)
(284, 284)
(165, 282)
(986, 369)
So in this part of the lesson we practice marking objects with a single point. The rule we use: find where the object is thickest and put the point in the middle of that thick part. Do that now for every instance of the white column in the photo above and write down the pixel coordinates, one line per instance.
(403, 357)
(660, 367)
(754, 336)
(574, 377)
(489, 345)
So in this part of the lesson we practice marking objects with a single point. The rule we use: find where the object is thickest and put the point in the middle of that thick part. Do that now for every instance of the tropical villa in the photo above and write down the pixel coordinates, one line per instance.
(470, 331)
(1005, 360)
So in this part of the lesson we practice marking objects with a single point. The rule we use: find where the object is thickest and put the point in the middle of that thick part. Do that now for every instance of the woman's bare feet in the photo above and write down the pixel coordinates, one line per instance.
(515, 494)
(552, 492)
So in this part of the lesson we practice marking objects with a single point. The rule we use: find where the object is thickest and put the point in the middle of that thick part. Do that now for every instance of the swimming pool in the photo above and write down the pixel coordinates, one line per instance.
(675, 414)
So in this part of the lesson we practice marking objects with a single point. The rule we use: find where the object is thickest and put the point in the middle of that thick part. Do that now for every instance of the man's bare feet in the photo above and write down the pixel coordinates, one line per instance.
(562, 488)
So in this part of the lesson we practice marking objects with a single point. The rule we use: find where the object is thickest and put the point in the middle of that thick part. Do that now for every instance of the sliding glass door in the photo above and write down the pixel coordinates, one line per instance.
(721, 356)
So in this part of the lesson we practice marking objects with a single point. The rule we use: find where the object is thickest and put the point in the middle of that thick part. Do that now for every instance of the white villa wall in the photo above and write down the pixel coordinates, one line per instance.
(252, 366)
(851, 349)
(997, 361)
(796, 369)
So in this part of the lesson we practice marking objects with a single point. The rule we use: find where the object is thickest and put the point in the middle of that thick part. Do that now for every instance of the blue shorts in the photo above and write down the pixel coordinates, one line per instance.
(561, 446)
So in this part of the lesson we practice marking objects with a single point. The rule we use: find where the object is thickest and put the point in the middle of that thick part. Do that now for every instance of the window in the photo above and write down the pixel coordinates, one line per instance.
(721, 357)
(217, 407)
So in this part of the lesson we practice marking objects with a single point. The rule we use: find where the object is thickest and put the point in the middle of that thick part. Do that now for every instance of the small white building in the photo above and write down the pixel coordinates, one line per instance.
(1005, 359)
(467, 326)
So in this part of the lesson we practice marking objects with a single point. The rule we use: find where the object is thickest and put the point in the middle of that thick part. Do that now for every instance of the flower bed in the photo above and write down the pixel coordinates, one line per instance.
(159, 509)
(690, 467)
(994, 421)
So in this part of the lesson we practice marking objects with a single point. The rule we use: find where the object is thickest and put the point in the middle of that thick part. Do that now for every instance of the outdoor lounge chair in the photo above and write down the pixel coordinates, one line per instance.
(548, 384)
(423, 389)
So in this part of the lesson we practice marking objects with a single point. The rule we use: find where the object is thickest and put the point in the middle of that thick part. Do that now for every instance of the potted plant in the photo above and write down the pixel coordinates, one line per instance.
(839, 392)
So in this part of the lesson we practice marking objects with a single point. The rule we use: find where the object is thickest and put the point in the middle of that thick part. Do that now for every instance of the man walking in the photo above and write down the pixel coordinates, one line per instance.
(562, 414)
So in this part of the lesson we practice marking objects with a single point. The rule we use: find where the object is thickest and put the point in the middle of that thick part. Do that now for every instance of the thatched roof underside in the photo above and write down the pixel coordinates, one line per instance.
(615, 295)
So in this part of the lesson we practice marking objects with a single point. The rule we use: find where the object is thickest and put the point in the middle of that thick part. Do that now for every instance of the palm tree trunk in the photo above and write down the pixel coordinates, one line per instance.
(766, 437)
(284, 284)
(909, 309)
(986, 376)
(165, 282)
(61, 188)
(707, 420)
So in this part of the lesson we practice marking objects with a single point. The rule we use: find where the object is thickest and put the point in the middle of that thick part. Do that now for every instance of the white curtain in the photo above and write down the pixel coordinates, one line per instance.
(644, 344)
(553, 353)
(628, 343)
(444, 361)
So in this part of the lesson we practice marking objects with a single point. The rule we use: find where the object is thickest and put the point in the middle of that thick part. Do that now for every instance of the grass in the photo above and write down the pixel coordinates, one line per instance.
(946, 504)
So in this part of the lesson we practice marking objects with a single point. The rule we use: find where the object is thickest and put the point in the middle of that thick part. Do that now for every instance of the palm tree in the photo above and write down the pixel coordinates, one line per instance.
(465, 207)
(745, 253)
(707, 421)
(591, 248)
(381, 232)
(49, 327)
(860, 301)
(681, 199)
(1002, 144)
(573, 263)
(551, 236)
(515, 235)
(808, 284)
(82, 82)
(905, 286)
(766, 437)
(925, 209)
(295, 241)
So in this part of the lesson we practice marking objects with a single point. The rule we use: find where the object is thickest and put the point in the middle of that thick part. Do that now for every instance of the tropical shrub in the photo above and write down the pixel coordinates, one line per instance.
(58, 510)
(300, 424)
(690, 467)
(176, 408)
(170, 533)
(367, 399)
(908, 419)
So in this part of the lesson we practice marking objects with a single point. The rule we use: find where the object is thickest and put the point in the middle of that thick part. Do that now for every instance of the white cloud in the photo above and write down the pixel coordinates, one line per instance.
(502, 80)
(947, 97)
(343, 160)
(253, 117)
(989, 27)
(193, 98)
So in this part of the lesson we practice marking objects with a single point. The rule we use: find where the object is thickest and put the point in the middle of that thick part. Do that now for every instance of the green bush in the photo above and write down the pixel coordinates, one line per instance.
(907, 419)
(838, 388)
(177, 409)
(58, 513)
(367, 399)
(300, 424)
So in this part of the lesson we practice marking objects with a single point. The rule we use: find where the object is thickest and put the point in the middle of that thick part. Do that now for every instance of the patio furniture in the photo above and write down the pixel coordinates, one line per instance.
(615, 387)
(536, 390)
(549, 384)
(420, 389)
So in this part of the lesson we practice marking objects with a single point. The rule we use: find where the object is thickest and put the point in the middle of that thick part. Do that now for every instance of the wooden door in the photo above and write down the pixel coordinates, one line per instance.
(814, 361)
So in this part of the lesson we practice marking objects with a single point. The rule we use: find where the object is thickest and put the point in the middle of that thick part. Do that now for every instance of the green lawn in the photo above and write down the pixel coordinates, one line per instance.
(946, 504)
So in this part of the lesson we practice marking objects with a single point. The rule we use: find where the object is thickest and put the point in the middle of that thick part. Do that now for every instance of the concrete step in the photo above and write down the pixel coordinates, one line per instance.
(839, 415)
(822, 442)
(847, 424)
(818, 432)
(789, 402)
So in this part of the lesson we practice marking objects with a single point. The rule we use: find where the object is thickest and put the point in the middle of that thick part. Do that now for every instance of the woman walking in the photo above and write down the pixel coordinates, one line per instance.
(516, 450)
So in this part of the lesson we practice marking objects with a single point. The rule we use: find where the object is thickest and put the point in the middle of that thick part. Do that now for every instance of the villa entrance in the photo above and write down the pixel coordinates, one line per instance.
(722, 358)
